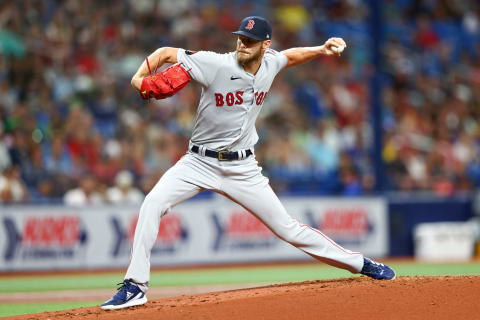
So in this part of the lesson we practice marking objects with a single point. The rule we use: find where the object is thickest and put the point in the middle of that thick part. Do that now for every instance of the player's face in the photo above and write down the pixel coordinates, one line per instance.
(248, 50)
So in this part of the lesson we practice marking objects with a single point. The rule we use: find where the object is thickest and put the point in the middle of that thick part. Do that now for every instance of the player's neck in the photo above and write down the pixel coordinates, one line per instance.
(253, 66)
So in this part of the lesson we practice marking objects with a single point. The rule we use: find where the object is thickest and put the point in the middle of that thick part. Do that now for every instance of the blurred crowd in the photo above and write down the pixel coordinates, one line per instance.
(432, 97)
(73, 129)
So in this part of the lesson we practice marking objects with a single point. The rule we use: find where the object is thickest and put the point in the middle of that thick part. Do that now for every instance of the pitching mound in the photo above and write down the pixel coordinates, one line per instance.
(353, 298)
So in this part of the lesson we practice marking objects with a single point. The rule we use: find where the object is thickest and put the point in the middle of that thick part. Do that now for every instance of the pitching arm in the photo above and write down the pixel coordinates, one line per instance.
(296, 56)
(156, 60)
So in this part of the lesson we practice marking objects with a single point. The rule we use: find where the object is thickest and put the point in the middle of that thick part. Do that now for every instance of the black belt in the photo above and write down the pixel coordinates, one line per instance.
(222, 155)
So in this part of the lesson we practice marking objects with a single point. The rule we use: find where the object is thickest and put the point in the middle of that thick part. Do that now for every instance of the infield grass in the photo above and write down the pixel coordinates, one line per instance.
(204, 276)
(26, 308)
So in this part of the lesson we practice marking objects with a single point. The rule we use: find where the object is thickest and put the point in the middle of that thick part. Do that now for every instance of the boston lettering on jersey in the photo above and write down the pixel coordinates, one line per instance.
(236, 98)
(226, 85)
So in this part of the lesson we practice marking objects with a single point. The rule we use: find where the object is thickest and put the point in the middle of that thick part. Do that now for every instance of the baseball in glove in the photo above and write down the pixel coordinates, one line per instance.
(164, 84)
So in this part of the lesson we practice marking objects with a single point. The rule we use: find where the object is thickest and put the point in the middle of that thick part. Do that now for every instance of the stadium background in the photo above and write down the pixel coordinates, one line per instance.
(396, 117)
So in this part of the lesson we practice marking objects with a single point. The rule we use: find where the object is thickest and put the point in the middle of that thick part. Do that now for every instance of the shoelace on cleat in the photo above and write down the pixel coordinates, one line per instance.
(123, 287)
(377, 263)
(375, 267)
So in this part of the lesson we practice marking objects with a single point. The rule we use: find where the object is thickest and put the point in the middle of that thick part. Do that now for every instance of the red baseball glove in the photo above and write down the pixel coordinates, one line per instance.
(164, 84)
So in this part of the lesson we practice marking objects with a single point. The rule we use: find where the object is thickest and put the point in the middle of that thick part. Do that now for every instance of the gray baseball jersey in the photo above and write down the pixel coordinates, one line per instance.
(231, 98)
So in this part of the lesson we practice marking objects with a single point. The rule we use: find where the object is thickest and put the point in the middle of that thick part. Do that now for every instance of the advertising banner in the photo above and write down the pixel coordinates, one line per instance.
(194, 232)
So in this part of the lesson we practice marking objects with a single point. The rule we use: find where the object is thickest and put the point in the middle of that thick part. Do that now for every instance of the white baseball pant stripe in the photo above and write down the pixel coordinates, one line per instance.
(242, 182)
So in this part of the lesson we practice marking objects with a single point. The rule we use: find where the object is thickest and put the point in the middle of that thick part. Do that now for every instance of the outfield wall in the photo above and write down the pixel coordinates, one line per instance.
(406, 211)
(194, 232)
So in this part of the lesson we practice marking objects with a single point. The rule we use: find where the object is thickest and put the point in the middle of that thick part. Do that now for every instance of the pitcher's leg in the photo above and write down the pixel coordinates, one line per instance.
(256, 196)
(179, 183)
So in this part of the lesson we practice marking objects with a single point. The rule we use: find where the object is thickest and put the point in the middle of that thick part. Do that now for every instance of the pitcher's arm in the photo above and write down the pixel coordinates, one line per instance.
(156, 60)
(296, 56)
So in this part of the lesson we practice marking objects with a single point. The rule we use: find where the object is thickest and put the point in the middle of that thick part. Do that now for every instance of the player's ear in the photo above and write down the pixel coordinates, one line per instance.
(266, 44)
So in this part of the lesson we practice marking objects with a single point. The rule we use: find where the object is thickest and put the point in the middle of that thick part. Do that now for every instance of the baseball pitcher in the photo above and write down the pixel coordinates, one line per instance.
(221, 156)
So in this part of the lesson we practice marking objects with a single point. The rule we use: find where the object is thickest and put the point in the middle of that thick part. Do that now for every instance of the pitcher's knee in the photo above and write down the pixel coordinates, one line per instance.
(160, 205)
(290, 230)
(288, 237)
(285, 233)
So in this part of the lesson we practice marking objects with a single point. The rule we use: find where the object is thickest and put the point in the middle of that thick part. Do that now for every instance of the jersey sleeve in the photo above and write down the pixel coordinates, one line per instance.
(203, 65)
(278, 59)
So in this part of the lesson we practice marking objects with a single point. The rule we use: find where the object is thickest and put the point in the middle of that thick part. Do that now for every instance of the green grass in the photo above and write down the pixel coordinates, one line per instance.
(261, 274)
(175, 278)
(186, 277)
(432, 269)
(26, 308)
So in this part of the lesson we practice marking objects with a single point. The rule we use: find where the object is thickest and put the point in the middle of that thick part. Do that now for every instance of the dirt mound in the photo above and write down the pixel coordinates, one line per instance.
(353, 298)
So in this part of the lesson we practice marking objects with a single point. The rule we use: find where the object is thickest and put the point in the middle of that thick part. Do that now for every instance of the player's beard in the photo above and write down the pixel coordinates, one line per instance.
(243, 61)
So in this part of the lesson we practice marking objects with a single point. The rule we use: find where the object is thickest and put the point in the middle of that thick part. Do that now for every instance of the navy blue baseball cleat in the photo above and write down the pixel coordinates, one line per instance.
(377, 270)
(128, 295)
